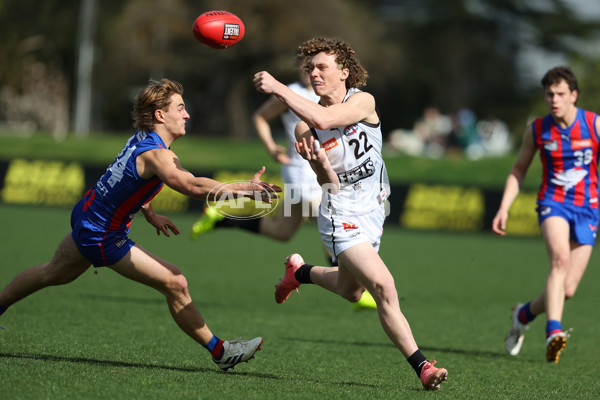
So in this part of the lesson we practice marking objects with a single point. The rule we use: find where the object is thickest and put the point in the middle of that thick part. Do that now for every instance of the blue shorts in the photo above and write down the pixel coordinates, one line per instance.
(101, 247)
(583, 221)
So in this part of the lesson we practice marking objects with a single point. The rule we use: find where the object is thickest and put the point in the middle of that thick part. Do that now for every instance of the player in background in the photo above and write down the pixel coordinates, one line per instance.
(296, 174)
(295, 171)
(352, 174)
(100, 221)
(567, 204)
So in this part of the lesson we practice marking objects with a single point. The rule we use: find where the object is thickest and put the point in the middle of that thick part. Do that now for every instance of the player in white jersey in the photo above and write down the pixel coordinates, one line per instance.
(347, 160)
(354, 152)
(302, 191)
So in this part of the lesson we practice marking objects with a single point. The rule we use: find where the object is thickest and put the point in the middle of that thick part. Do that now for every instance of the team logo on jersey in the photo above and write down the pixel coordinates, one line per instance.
(551, 145)
(364, 170)
(120, 243)
(569, 178)
(348, 226)
(330, 144)
(350, 129)
(580, 144)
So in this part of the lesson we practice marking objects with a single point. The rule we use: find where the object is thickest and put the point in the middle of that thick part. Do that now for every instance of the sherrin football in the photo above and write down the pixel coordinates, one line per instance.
(218, 29)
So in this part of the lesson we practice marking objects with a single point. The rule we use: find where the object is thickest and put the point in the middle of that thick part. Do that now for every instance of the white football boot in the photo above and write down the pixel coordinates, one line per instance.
(514, 337)
(238, 351)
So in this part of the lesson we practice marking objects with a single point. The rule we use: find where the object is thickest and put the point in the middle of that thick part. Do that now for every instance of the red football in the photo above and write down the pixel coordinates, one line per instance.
(218, 29)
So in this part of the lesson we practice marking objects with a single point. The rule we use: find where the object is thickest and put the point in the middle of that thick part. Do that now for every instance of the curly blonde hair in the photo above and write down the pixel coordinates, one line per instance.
(157, 96)
(344, 57)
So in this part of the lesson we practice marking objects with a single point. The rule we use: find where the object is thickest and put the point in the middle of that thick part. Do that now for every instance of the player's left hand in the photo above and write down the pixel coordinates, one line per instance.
(162, 224)
(311, 150)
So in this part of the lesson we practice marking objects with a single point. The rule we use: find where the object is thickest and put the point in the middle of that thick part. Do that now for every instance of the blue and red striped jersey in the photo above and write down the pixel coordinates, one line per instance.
(121, 192)
(569, 158)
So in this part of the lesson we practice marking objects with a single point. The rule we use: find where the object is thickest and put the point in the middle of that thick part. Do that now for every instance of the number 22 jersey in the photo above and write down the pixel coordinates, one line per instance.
(354, 152)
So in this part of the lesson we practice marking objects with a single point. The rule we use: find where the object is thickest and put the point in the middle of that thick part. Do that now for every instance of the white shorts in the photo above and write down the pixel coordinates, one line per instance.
(340, 232)
(303, 179)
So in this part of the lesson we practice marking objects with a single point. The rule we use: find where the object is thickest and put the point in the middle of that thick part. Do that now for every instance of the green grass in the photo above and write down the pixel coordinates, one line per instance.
(106, 337)
(210, 154)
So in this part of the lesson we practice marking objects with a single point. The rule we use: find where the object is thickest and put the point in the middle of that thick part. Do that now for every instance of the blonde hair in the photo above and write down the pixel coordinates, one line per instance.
(157, 96)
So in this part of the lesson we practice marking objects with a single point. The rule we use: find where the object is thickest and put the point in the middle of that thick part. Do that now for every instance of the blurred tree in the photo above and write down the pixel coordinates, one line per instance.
(218, 83)
(587, 71)
(37, 50)
(468, 53)
(448, 53)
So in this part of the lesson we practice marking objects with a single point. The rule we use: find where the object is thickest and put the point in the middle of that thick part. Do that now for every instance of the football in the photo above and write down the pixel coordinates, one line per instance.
(218, 29)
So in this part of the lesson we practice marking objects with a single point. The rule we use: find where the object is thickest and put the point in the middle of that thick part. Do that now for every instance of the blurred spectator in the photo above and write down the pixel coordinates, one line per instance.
(434, 130)
(435, 135)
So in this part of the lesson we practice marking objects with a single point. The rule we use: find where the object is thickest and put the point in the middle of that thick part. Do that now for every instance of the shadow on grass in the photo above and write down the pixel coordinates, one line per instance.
(124, 299)
(476, 353)
(92, 361)
(157, 300)
(111, 363)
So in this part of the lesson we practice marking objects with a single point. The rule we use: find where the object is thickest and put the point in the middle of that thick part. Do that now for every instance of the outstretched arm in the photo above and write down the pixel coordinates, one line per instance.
(164, 164)
(269, 110)
(359, 107)
(514, 181)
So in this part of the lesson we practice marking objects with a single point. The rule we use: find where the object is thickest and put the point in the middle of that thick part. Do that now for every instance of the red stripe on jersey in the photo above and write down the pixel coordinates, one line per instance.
(589, 119)
(121, 213)
(90, 200)
(558, 165)
(537, 126)
(579, 194)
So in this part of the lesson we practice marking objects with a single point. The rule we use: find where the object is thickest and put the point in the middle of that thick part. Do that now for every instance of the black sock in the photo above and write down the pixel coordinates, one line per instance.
(252, 224)
(417, 360)
(302, 275)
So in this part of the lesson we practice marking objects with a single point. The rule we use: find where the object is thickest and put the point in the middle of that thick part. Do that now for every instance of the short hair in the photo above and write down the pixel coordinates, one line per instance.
(557, 74)
(157, 96)
(344, 57)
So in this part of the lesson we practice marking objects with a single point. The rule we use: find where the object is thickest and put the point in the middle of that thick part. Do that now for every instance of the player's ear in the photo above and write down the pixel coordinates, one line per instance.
(345, 73)
(159, 115)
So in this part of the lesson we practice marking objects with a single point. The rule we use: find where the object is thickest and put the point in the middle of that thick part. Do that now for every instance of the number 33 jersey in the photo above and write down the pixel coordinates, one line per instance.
(570, 160)
(354, 152)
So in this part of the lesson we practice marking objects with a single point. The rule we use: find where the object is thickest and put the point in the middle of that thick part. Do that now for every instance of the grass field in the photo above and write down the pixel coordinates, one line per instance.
(106, 337)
